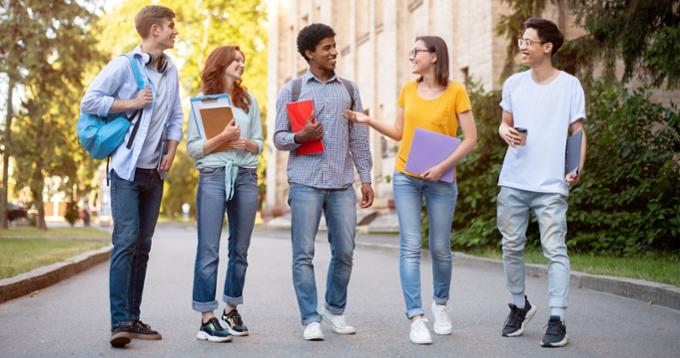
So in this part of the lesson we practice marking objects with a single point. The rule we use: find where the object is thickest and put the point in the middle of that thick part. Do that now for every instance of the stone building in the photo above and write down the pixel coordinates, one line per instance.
(373, 40)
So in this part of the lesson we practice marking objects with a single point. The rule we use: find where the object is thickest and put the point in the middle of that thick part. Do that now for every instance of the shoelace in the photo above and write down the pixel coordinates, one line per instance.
(514, 317)
(554, 328)
(141, 324)
(441, 309)
(215, 324)
(235, 318)
(421, 326)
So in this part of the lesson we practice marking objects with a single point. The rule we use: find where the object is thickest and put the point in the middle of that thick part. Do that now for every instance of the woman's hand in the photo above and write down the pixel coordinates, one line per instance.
(356, 117)
(433, 174)
(231, 132)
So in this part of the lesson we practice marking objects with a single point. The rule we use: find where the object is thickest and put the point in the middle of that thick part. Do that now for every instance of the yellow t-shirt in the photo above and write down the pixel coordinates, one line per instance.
(436, 115)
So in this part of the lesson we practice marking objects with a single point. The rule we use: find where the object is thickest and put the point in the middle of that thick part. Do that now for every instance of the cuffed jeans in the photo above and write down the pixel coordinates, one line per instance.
(241, 209)
(550, 209)
(134, 206)
(339, 208)
(440, 198)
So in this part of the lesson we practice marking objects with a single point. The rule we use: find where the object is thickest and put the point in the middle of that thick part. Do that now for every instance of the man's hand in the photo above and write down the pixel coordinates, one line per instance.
(166, 162)
(573, 179)
(366, 195)
(510, 135)
(313, 130)
(142, 98)
(433, 174)
(231, 133)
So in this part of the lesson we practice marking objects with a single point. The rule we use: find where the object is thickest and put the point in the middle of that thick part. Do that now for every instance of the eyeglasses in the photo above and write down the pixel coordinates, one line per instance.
(528, 42)
(414, 52)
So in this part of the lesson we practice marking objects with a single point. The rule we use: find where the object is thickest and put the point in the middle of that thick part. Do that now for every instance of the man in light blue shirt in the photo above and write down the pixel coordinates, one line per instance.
(322, 182)
(139, 165)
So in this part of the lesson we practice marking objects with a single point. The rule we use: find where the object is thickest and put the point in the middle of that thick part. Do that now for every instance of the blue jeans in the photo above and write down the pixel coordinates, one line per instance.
(134, 206)
(440, 198)
(550, 209)
(241, 209)
(339, 207)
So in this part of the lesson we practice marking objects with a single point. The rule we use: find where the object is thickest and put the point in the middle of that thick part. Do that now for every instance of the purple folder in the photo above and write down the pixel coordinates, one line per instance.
(429, 149)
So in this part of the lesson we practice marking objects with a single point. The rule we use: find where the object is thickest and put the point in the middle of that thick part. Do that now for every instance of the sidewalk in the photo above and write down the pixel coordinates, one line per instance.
(383, 232)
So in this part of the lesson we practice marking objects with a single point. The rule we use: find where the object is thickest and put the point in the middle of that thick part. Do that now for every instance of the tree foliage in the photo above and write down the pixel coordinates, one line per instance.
(203, 25)
(54, 54)
(643, 34)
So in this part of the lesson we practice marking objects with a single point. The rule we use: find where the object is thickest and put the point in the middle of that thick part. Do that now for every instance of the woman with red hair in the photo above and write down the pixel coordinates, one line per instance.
(227, 182)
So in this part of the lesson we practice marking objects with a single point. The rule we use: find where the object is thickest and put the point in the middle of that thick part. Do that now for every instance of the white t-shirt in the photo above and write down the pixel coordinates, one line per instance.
(546, 111)
(149, 158)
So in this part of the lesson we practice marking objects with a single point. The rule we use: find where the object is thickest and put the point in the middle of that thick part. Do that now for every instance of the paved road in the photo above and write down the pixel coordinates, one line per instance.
(71, 318)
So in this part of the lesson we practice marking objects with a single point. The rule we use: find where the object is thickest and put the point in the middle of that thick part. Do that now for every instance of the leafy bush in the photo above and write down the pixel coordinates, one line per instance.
(627, 200)
(71, 214)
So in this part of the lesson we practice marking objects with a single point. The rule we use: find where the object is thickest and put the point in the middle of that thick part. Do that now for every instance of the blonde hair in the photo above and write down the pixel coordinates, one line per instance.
(151, 15)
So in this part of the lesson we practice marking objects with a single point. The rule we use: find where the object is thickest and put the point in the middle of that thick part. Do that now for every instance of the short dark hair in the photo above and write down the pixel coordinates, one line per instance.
(311, 36)
(547, 32)
(437, 45)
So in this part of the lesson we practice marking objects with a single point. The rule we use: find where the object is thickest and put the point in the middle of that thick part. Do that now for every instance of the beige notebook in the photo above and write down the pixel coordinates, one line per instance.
(214, 120)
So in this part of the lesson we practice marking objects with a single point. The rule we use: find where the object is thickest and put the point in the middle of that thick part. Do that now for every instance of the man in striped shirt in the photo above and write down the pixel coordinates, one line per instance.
(322, 182)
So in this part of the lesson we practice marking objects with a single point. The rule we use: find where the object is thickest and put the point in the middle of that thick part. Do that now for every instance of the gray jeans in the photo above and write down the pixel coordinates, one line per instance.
(513, 210)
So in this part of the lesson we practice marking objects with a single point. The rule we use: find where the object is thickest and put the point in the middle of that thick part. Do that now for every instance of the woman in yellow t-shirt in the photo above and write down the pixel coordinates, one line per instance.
(433, 103)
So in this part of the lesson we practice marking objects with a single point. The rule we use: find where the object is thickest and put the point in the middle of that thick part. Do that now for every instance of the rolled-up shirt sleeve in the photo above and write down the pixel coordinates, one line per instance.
(359, 144)
(283, 135)
(100, 95)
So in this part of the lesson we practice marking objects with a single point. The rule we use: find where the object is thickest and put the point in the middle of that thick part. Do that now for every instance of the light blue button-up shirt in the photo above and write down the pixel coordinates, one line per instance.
(345, 145)
(116, 81)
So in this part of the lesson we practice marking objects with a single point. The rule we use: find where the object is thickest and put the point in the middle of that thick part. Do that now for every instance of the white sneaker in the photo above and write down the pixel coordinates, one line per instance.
(337, 322)
(419, 333)
(442, 321)
(313, 332)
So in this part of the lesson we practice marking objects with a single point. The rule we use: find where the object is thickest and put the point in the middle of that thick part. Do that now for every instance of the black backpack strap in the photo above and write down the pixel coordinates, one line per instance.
(108, 178)
(350, 90)
(297, 88)
(138, 114)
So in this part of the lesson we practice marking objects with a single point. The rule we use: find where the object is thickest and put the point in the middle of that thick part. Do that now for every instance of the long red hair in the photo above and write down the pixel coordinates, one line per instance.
(212, 76)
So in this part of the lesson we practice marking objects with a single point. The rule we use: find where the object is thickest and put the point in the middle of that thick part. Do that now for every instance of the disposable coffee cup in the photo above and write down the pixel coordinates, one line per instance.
(522, 133)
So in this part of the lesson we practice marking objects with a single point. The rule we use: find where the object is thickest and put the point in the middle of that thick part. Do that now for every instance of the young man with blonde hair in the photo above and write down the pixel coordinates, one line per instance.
(139, 165)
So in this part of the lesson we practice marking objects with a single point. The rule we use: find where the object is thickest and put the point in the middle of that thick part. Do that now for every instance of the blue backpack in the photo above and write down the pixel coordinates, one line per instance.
(101, 136)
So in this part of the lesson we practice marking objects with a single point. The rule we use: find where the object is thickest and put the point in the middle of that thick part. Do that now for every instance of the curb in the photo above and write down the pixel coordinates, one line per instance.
(647, 291)
(42, 277)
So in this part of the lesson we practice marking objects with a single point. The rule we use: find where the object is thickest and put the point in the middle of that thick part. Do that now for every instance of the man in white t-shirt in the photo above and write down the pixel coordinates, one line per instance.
(540, 106)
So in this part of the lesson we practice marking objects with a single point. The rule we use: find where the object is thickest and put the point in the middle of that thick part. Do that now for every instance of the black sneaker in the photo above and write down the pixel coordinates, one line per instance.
(518, 317)
(235, 323)
(556, 334)
(120, 337)
(141, 330)
(212, 331)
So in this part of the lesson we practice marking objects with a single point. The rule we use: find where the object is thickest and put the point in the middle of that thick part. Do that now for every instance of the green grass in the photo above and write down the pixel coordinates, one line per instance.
(25, 248)
(30, 232)
(656, 267)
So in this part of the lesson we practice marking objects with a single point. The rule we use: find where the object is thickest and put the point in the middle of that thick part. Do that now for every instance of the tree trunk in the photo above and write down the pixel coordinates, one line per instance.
(37, 186)
(5, 155)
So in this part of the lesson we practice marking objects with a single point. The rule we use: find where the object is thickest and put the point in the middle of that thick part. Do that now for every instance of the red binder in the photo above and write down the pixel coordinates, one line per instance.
(298, 112)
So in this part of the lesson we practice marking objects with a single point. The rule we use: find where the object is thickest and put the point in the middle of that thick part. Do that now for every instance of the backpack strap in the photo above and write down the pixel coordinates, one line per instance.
(136, 71)
(297, 87)
(139, 81)
(350, 90)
